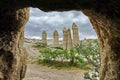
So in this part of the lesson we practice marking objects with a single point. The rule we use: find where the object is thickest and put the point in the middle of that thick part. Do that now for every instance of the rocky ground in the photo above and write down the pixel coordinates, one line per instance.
(39, 72)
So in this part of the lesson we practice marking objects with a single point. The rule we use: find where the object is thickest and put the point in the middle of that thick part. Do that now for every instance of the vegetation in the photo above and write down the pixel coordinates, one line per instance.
(90, 52)
(60, 55)
(83, 55)
(40, 44)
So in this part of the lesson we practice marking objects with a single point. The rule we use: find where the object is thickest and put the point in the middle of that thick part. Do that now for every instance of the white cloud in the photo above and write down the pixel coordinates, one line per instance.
(49, 21)
(35, 37)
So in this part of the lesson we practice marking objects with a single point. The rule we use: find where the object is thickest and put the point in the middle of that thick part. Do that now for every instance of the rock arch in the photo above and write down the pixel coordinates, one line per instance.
(105, 18)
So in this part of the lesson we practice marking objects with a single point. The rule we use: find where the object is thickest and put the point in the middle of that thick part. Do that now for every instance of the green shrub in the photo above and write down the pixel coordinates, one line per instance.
(57, 47)
(83, 55)
(40, 44)
(90, 52)
(62, 55)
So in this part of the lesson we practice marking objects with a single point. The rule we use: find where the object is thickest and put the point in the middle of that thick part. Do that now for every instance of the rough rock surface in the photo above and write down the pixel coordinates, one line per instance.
(44, 37)
(108, 32)
(104, 15)
(75, 34)
(69, 39)
(12, 53)
(56, 38)
(64, 38)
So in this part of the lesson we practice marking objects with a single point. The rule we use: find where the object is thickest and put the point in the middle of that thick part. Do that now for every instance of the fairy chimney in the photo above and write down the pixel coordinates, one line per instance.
(75, 34)
(64, 38)
(69, 39)
(44, 37)
(56, 38)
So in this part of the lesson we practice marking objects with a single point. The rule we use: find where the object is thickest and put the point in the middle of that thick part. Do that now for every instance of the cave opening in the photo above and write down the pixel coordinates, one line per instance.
(104, 16)
(40, 21)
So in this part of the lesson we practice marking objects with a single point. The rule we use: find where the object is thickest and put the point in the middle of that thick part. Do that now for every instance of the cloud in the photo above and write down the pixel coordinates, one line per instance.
(40, 21)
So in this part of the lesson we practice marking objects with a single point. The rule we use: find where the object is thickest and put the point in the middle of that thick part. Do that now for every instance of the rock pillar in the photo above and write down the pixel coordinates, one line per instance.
(44, 37)
(69, 39)
(56, 38)
(75, 34)
(64, 38)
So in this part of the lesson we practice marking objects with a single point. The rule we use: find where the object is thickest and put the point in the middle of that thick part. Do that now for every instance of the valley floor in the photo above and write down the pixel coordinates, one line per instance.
(39, 72)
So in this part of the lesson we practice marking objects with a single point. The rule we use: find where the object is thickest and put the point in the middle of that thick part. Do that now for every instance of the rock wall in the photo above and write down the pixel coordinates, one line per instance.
(12, 53)
(104, 15)
(108, 32)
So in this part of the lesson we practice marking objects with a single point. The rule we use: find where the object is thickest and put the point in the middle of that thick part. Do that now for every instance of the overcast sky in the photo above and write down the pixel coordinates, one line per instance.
(40, 21)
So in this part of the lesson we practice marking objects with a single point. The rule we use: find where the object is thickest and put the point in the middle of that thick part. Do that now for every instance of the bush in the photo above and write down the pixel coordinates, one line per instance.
(90, 52)
(62, 55)
(57, 47)
(40, 44)
(82, 55)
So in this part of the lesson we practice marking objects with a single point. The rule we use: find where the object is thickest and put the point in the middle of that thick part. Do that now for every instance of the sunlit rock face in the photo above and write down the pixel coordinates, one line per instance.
(55, 38)
(75, 34)
(64, 38)
(69, 39)
(105, 18)
(44, 37)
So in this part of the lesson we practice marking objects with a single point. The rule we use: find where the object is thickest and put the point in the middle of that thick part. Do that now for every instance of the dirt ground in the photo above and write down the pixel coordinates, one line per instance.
(39, 72)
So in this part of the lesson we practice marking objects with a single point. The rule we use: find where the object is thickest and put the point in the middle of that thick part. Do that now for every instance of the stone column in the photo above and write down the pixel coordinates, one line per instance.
(64, 38)
(56, 38)
(69, 39)
(44, 37)
(75, 34)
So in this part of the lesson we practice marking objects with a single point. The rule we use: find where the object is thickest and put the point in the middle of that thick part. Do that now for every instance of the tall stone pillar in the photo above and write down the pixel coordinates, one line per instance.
(44, 37)
(75, 34)
(69, 39)
(56, 38)
(64, 38)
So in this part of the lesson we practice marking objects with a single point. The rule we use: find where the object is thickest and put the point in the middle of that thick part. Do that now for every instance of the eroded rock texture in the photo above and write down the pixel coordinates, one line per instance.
(12, 53)
(44, 37)
(75, 34)
(64, 38)
(55, 38)
(104, 15)
(108, 32)
(69, 39)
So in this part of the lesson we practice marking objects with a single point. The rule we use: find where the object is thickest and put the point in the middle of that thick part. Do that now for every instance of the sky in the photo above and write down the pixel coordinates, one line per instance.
(40, 21)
